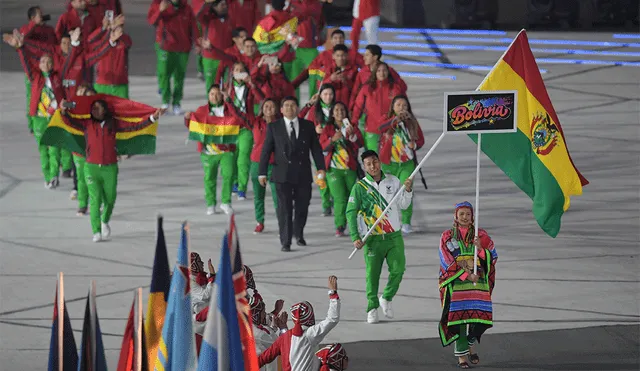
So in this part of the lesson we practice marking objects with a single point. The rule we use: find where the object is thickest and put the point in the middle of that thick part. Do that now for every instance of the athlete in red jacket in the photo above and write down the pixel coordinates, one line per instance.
(176, 33)
(217, 29)
(36, 30)
(250, 57)
(367, 13)
(77, 15)
(340, 74)
(112, 71)
(46, 95)
(244, 13)
(372, 56)
(272, 80)
(375, 99)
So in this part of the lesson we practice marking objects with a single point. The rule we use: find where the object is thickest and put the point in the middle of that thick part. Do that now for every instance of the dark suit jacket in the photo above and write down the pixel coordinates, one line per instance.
(292, 162)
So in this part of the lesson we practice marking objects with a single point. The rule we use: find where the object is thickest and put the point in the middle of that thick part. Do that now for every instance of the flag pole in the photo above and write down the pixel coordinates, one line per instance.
(92, 320)
(383, 215)
(476, 213)
(138, 353)
(60, 319)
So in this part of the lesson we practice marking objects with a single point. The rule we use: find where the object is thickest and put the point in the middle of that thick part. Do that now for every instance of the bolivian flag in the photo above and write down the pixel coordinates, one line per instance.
(158, 297)
(536, 157)
(209, 129)
(271, 32)
(135, 135)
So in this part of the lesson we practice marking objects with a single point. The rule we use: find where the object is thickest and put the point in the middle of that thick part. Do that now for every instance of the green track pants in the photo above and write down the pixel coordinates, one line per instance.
(27, 88)
(102, 182)
(259, 192)
(210, 69)
(172, 65)
(121, 91)
(49, 156)
(210, 165)
(376, 249)
(340, 183)
(66, 160)
(243, 159)
(83, 191)
(304, 57)
(371, 141)
(402, 172)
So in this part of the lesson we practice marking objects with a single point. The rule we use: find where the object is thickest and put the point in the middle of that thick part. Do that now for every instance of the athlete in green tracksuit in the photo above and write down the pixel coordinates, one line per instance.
(369, 197)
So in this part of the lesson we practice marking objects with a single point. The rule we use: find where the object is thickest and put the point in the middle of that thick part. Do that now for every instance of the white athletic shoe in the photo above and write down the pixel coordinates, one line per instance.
(406, 228)
(73, 195)
(177, 111)
(97, 237)
(211, 210)
(386, 308)
(372, 316)
(47, 185)
(106, 231)
(226, 208)
(164, 106)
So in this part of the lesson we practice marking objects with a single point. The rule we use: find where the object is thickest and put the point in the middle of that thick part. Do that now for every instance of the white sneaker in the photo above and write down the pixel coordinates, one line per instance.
(97, 237)
(211, 210)
(406, 228)
(47, 185)
(164, 106)
(55, 182)
(226, 208)
(372, 316)
(106, 231)
(177, 110)
(386, 308)
(73, 195)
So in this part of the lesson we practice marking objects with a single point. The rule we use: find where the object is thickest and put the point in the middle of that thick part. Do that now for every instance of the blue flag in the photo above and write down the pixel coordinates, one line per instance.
(69, 350)
(221, 346)
(176, 351)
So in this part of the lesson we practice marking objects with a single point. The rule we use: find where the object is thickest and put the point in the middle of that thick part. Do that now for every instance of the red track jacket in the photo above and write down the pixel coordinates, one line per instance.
(386, 141)
(244, 15)
(176, 27)
(274, 86)
(259, 135)
(112, 61)
(42, 33)
(376, 103)
(38, 81)
(71, 20)
(217, 30)
(363, 76)
(327, 145)
(344, 87)
(310, 21)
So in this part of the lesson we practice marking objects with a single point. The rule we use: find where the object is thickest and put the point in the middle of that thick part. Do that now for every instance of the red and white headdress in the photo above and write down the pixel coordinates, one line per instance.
(302, 315)
(332, 356)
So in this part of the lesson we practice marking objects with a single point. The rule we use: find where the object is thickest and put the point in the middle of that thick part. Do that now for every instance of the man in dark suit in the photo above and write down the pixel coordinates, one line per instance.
(291, 139)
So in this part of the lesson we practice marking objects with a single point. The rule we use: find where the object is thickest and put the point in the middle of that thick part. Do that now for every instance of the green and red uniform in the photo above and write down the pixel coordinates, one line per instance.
(396, 156)
(46, 94)
(176, 33)
(112, 63)
(341, 162)
(219, 33)
(319, 115)
(259, 192)
(216, 157)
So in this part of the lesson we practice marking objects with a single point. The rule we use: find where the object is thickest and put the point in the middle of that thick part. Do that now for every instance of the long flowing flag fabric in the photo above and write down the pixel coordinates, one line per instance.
(135, 135)
(270, 35)
(221, 348)
(127, 358)
(210, 129)
(158, 298)
(177, 350)
(536, 157)
(242, 304)
(91, 347)
(69, 349)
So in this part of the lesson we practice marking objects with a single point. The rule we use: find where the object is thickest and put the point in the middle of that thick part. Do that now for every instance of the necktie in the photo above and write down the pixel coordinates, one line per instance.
(293, 133)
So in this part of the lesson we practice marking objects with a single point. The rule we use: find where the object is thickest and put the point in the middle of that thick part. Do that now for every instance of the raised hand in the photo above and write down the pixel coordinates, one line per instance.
(115, 34)
(118, 21)
(333, 283)
(164, 4)
(75, 34)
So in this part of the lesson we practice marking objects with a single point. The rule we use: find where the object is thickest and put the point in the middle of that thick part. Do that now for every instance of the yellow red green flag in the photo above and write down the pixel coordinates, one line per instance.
(536, 157)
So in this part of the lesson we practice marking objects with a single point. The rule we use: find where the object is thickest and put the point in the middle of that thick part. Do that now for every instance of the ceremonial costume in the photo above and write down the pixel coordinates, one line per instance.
(46, 94)
(341, 162)
(466, 308)
(332, 357)
(367, 201)
(201, 289)
(396, 156)
(297, 346)
(216, 156)
(263, 334)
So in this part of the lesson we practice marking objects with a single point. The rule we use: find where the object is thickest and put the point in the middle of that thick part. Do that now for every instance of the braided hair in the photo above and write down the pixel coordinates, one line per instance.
(470, 235)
